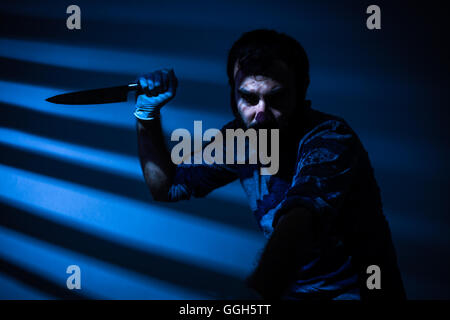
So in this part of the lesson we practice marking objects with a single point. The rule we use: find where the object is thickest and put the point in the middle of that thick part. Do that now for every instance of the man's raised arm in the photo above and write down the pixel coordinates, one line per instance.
(159, 88)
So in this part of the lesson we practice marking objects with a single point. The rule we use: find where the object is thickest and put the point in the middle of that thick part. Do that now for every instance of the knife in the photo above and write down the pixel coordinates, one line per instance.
(96, 96)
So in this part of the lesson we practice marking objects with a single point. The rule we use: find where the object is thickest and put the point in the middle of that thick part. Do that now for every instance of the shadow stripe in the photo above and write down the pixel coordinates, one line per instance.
(38, 282)
(177, 272)
(227, 212)
(152, 38)
(108, 137)
(197, 95)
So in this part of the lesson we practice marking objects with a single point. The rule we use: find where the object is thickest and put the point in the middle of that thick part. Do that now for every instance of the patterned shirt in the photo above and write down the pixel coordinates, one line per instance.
(324, 168)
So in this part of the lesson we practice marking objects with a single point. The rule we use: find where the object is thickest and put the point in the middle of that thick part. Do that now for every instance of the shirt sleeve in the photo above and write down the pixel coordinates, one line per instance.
(200, 179)
(326, 164)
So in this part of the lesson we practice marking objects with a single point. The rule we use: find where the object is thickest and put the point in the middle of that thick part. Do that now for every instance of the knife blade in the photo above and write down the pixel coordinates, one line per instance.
(95, 96)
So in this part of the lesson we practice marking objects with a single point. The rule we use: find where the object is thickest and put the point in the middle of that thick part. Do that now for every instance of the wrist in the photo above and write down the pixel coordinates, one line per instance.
(148, 125)
(144, 116)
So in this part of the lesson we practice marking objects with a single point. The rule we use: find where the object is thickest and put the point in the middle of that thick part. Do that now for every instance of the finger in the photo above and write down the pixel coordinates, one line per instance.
(143, 83)
(151, 84)
(165, 80)
(158, 81)
(173, 82)
(146, 83)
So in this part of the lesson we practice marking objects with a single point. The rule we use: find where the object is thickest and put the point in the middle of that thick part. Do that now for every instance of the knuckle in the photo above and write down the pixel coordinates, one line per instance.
(142, 81)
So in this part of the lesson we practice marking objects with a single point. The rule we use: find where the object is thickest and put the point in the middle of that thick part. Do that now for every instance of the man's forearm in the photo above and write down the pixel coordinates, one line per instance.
(154, 156)
(289, 247)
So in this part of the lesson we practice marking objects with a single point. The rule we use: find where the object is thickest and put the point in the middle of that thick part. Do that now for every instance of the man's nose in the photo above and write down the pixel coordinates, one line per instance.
(261, 106)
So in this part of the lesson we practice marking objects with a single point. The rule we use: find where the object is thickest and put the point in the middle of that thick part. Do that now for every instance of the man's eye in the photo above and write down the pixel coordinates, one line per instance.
(275, 100)
(251, 99)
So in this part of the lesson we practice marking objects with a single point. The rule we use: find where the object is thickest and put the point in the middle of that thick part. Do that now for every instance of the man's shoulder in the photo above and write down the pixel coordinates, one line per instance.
(327, 126)
(329, 140)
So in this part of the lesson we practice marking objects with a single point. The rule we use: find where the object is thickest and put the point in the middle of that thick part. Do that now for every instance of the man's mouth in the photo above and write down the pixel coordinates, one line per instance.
(262, 117)
(264, 120)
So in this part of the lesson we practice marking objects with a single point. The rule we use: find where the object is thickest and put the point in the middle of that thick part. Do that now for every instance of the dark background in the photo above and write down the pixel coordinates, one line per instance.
(71, 191)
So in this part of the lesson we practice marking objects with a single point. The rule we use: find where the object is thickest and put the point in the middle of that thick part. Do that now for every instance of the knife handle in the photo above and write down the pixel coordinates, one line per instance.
(135, 87)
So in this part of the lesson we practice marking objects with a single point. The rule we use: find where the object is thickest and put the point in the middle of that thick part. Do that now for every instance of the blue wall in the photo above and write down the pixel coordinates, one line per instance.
(71, 190)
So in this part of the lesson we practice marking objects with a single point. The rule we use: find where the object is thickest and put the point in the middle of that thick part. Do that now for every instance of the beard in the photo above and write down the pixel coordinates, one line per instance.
(290, 126)
(266, 120)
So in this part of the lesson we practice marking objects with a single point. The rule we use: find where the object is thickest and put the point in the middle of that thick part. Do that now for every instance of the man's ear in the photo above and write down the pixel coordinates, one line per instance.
(233, 103)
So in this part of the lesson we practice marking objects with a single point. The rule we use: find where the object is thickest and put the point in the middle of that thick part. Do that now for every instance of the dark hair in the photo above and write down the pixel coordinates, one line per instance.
(256, 50)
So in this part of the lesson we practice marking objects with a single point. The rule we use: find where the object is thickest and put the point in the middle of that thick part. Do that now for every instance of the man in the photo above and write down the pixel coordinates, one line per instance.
(321, 211)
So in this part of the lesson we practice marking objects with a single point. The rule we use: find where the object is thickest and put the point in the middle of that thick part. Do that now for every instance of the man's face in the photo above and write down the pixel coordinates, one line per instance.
(263, 102)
